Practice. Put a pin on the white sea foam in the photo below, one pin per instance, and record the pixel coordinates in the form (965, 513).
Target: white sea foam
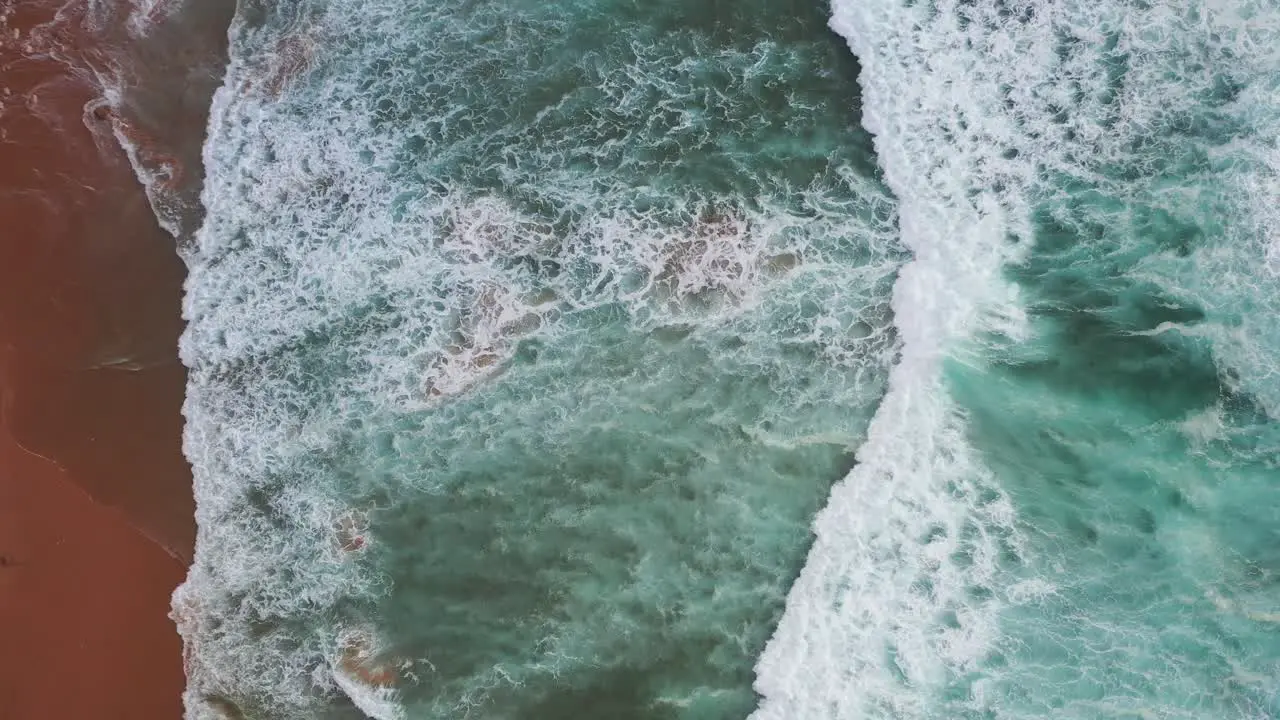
(156, 173)
(333, 285)
(376, 703)
(357, 649)
(897, 596)
(147, 12)
(978, 109)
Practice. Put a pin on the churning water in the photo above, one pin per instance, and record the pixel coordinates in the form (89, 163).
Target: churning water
(528, 340)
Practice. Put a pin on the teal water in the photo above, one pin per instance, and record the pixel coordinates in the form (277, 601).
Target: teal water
(700, 360)
(575, 312)
(1149, 484)
(1103, 188)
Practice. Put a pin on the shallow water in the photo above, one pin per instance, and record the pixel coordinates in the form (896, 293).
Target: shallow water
(528, 341)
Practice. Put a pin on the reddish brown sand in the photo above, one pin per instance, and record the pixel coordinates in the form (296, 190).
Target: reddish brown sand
(83, 599)
(96, 513)
(90, 293)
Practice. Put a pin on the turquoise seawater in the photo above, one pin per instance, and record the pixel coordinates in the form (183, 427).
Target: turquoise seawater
(594, 358)
(1090, 188)
(575, 312)
(1130, 431)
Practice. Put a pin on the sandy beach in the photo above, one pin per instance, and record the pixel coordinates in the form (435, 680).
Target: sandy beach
(83, 604)
(96, 511)
(90, 299)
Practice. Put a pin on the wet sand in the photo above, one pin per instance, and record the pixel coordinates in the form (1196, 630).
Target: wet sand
(90, 296)
(83, 605)
(96, 510)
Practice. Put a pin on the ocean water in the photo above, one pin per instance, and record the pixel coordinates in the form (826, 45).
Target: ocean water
(573, 313)
(590, 358)
(1074, 469)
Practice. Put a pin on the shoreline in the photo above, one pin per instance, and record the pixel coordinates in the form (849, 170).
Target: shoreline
(90, 292)
(97, 516)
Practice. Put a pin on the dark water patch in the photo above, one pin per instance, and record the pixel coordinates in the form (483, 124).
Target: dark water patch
(1132, 460)
(608, 543)
(1103, 331)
